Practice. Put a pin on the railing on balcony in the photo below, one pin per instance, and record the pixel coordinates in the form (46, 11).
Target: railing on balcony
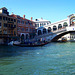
(10, 22)
(6, 35)
(11, 26)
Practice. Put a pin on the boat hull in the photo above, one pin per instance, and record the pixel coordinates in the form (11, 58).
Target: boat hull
(23, 45)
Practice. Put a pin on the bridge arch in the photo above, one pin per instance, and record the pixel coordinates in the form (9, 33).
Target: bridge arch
(65, 24)
(60, 35)
(44, 30)
(22, 37)
(72, 20)
(54, 28)
(49, 29)
(39, 32)
(59, 26)
(26, 36)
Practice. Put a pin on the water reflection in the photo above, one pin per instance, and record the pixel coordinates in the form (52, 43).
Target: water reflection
(7, 51)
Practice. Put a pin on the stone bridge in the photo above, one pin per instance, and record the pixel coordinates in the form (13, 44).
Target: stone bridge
(56, 30)
(55, 35)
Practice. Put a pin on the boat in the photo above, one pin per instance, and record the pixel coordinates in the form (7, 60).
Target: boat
(64, 39)
(14, 42)
(31, 45)
(11, 43)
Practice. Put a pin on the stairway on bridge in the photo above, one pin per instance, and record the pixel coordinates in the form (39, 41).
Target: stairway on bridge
(55, 35)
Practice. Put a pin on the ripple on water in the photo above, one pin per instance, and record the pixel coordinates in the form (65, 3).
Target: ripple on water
(51, 59)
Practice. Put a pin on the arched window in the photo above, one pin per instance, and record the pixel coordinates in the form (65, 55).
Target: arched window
(22, 38)
(73, 22)
(65, 24)
(22, 35)
(39, 32)
(59, 26)
(26, 36)
(41, 24)
(54, 28)
(49, 29)
(44, 31)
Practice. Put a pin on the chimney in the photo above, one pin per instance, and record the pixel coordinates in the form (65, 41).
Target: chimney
(23, 16)
(31, 18)
(12, 13)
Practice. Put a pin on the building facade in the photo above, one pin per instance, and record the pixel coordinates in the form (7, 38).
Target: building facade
(39, 24)
(8, 26)
(25, 28)
(14, 26)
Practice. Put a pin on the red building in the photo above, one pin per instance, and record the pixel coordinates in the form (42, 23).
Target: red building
(25, 27)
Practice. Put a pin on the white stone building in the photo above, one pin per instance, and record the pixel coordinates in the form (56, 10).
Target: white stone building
(41, 22)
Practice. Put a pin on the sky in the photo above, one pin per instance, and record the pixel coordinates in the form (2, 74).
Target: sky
(52, 10)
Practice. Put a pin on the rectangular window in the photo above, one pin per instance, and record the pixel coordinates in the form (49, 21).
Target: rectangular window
(5, 25)
(0, 24)
(14, 26)
(4, 18)
(30, 23)
(5, 32)
(11, 31)
(11, 25)
(8, 19)
(8, 25)
(33, 30)
(0, 17)
(18, 21)
(26, 23)
(19, 29)
(14, 33)
(22, 22)
(30, 30)
(11, 19)
(27, 30)
(0, 32)
(23, 29)
(5, 11)
(8, 31)
(14, 20)
(36, 25)
(40, 24)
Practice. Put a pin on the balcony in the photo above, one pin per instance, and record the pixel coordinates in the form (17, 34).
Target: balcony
(10, 22)
(11, 26)
(6, 35)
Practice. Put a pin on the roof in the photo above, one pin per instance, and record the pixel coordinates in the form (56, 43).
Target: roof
(4, 8)
(19, 17)
(39, 20)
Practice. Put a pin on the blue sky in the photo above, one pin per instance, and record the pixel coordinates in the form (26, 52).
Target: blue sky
(52, 10)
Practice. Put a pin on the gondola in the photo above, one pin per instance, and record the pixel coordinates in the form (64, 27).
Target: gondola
(33, 45)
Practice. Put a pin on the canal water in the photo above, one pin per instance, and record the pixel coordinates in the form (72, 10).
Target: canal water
(51, 59)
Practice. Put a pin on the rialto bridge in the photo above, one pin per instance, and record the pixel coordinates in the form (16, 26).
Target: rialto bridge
(54, 31)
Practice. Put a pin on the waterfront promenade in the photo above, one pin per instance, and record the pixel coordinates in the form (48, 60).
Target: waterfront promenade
(51, 59)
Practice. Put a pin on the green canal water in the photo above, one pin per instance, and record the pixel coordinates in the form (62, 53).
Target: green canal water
(51, 59)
